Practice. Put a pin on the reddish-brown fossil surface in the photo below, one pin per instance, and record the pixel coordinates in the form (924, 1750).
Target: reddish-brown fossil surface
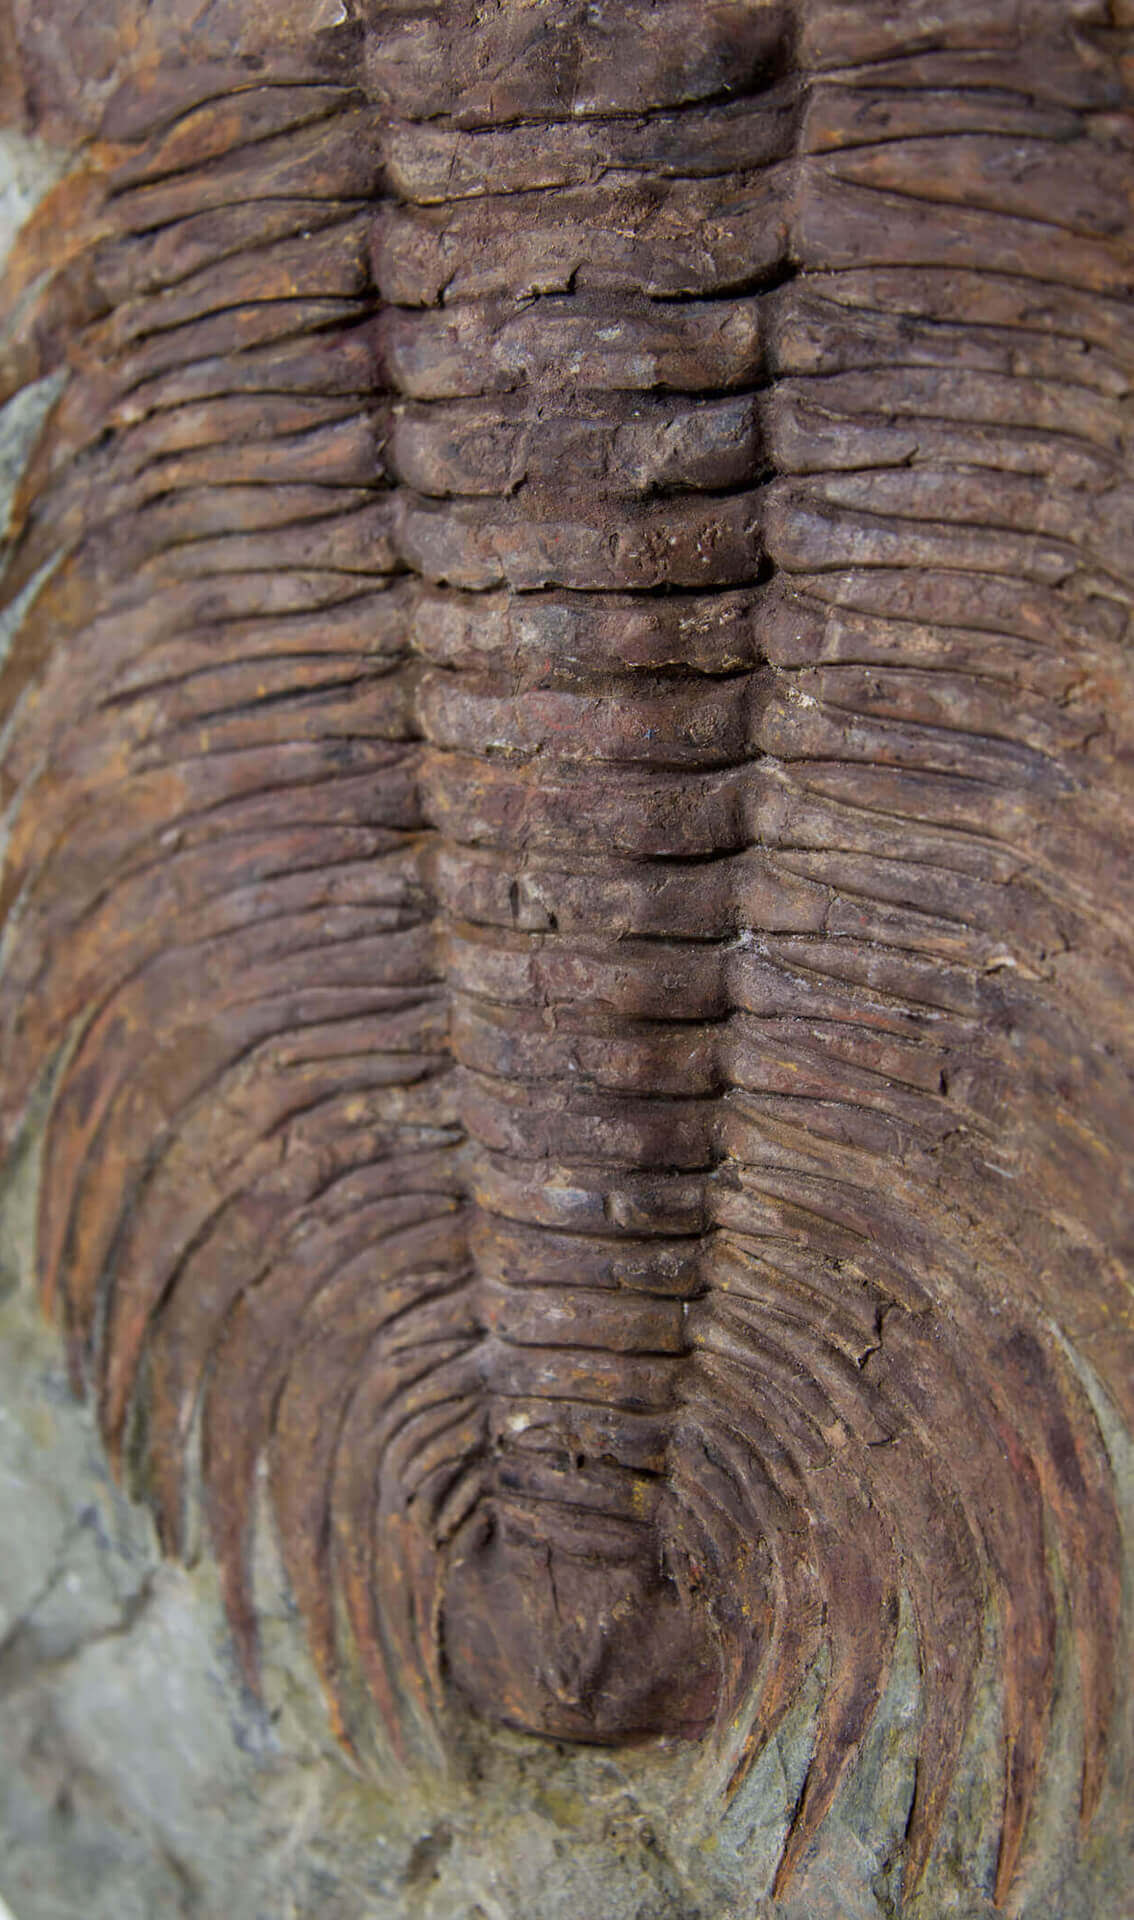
(566, 900)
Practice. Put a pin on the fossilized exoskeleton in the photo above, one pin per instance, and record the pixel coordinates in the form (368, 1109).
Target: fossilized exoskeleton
(566, 850)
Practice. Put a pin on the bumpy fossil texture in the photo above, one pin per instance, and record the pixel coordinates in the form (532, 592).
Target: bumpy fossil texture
(568, 852)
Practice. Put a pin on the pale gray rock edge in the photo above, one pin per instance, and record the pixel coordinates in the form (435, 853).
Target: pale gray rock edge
(138, 1781)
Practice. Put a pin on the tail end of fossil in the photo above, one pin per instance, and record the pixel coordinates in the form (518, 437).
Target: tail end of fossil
(551, 1640)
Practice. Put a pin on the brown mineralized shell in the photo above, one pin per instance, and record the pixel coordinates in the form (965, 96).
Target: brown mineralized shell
(568, 842)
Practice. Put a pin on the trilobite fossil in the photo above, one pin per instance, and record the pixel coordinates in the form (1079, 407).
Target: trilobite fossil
(566, 849)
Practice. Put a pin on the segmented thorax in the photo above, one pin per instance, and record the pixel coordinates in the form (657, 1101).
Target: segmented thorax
(579, 442)
(564, 842)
